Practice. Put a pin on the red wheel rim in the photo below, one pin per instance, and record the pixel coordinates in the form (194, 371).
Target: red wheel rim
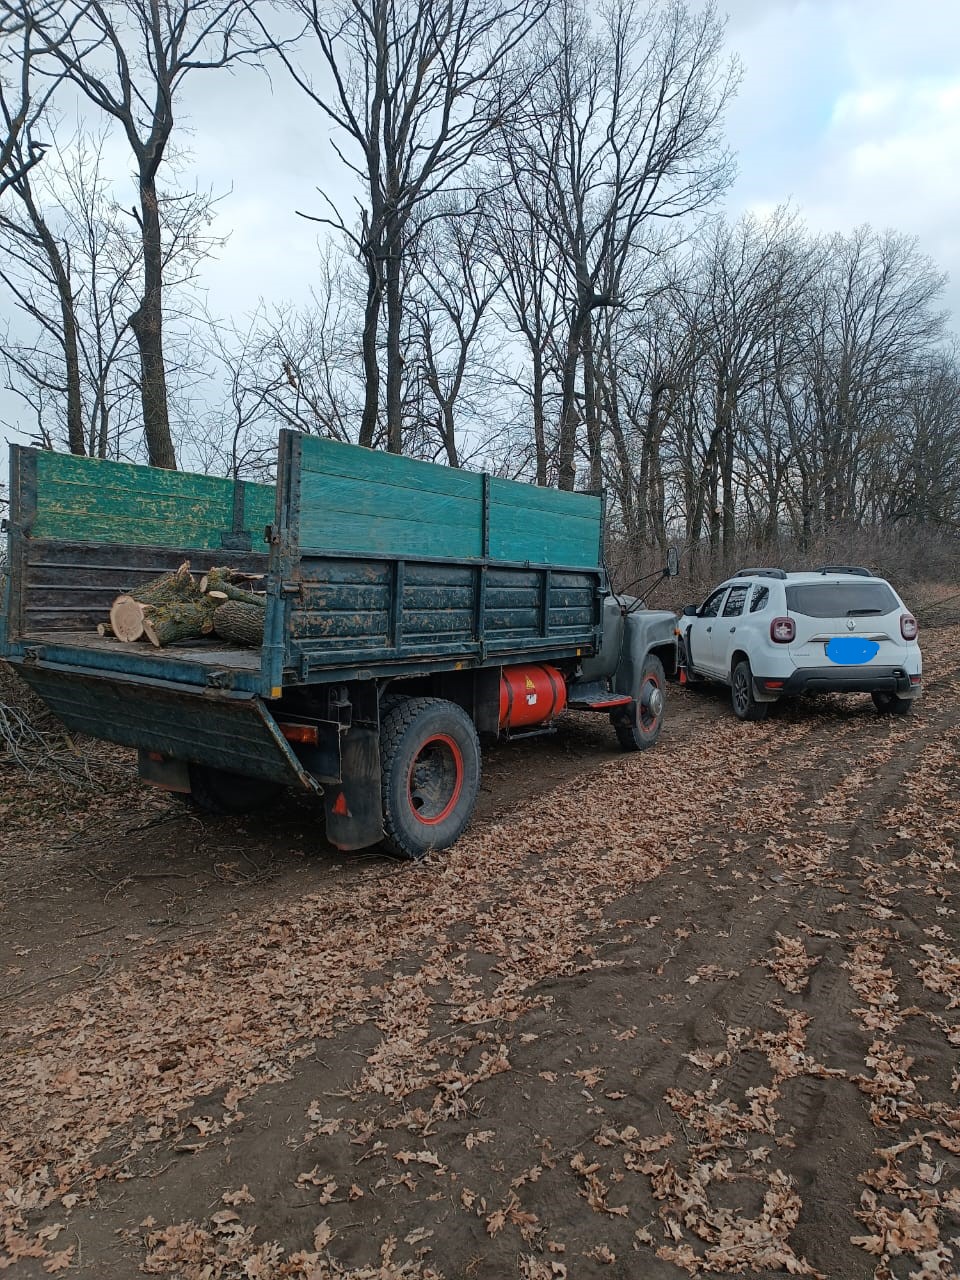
(435, 780)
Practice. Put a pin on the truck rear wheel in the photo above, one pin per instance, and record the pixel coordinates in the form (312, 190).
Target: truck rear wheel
(638, 725)
(216, 791)
(430, 774)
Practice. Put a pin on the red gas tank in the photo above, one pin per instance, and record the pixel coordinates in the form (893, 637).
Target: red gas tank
(530, 695)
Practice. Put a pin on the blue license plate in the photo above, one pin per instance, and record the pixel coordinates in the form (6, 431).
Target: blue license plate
(851, 651)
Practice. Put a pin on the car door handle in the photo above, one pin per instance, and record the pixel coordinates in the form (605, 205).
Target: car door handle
(709, 628)
(732, 630)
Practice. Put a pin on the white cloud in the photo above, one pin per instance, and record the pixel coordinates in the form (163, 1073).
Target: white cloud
(852, 110)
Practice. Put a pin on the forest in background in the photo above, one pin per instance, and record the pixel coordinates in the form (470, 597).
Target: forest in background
(535, 276)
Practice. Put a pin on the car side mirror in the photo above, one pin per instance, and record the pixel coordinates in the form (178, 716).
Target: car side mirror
(673, 562)
(689, 610)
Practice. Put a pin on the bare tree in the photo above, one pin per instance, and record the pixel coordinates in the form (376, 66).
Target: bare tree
(71, 261)
(451, 291)
(30, 31)
(130, 58)
(417, 88)
(623, 132)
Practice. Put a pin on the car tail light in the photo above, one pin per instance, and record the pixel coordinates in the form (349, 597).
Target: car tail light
(783, 630)
(916, 679)
(908, 626)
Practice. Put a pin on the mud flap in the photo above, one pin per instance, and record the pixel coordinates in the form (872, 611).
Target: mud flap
(353, 806)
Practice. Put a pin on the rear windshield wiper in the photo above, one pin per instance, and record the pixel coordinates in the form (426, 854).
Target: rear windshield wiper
(863, 613)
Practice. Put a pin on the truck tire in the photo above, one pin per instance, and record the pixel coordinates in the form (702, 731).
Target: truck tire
(430, 774)
(745, 705)
(638, 726)
(216, 791)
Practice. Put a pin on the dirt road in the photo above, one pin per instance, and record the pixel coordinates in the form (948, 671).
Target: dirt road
(691, 1011)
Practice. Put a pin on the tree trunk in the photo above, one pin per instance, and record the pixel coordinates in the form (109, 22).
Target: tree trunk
(394, 358)
(539, 418)
(591, 413)
(68, 316)
(567, 470)
(371, 367)
(147, 325)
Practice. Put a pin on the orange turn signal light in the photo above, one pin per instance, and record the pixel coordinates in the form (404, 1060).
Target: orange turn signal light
(304, 733)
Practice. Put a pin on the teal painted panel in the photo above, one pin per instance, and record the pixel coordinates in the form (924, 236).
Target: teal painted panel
(377, 518)
(374, 467)
(544, 526)
(91, 500)
(373, 503)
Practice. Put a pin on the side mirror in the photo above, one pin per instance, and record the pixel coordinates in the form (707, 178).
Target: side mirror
(673, 562)
(689, 610)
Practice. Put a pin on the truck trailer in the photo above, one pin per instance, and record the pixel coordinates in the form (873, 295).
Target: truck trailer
(411, 611)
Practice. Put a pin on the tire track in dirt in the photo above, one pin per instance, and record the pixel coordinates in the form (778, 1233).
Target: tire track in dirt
(558, 862)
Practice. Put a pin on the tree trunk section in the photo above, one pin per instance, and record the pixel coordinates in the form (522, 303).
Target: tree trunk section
(371, 367)
(394, 357)
(182, 620)
(147, 325)
(241, 623)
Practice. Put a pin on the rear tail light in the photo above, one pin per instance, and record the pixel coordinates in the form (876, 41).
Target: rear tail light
(783, 630)
(305, 733)
(916, 679)
(908, 626)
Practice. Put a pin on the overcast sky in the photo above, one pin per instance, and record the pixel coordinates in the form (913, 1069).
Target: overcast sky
(848, 108)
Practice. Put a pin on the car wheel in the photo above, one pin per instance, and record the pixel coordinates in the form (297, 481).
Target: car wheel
(638, 725)
(430, 774)
(745, 705)
(888, 704)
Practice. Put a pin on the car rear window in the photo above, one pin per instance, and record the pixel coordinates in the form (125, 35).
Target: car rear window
(841, 599)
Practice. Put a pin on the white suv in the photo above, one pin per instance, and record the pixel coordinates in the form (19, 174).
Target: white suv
(770, 634)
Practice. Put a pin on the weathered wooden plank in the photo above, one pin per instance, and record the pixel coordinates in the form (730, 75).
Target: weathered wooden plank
(544, 526)
(438, 597)
(343, 597)
(514, 493)
(386, 470)
(437, 621)
(512, 620)
(91, 500)
(307, 623)
(438, 575)
(333, 571)
(438, 530)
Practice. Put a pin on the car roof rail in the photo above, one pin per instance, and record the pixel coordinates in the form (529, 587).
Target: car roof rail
(760, 573)
(857, 570)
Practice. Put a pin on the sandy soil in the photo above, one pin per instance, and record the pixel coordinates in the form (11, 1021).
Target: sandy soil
(690, 1011)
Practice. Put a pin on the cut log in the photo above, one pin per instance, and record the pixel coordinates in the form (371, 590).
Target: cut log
(128, 613)
(179, 585)
(240, 622)
(127, 617)
(180, 620)
(214, 579)
(232, 592)
(223, 583)
(104, 630)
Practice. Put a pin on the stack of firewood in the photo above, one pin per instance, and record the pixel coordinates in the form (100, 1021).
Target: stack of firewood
(176, 606)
